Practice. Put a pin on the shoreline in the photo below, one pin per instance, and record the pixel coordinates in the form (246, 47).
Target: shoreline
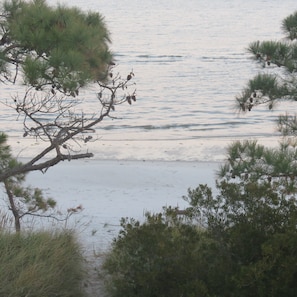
(187, 150)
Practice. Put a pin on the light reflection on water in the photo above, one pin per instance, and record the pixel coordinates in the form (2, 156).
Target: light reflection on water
(190, 62)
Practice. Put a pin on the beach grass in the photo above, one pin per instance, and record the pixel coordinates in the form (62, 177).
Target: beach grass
(44, 263)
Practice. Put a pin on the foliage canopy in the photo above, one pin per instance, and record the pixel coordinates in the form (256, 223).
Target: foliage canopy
(279, 59)
(59, 47)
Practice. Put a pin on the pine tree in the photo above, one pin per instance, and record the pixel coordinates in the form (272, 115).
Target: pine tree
(54, 52)
(51, 53)
(278, 83)
(60, 47)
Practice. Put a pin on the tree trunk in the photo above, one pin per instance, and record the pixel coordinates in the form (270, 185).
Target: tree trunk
(13, 208)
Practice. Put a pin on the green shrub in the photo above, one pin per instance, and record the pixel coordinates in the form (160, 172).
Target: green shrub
(247, 247)
(255, 223)
(164, 256)
(43, 264)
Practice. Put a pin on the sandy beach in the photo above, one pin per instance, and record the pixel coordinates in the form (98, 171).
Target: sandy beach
(109, 190)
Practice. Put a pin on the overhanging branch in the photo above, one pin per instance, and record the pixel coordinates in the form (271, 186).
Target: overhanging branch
(43, 166)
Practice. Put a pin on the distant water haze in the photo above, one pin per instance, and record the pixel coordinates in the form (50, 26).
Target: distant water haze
(190, 61)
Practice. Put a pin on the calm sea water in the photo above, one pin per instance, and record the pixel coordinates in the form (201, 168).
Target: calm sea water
(190, 61)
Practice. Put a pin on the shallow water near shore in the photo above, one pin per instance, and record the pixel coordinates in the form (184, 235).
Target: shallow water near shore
(190, 62)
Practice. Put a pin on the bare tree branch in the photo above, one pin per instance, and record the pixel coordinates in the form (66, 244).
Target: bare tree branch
(53, 118)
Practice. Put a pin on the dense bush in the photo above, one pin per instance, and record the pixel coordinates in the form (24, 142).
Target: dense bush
(40, 265)
(165, 256)
(256, 223)
(241, 242)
